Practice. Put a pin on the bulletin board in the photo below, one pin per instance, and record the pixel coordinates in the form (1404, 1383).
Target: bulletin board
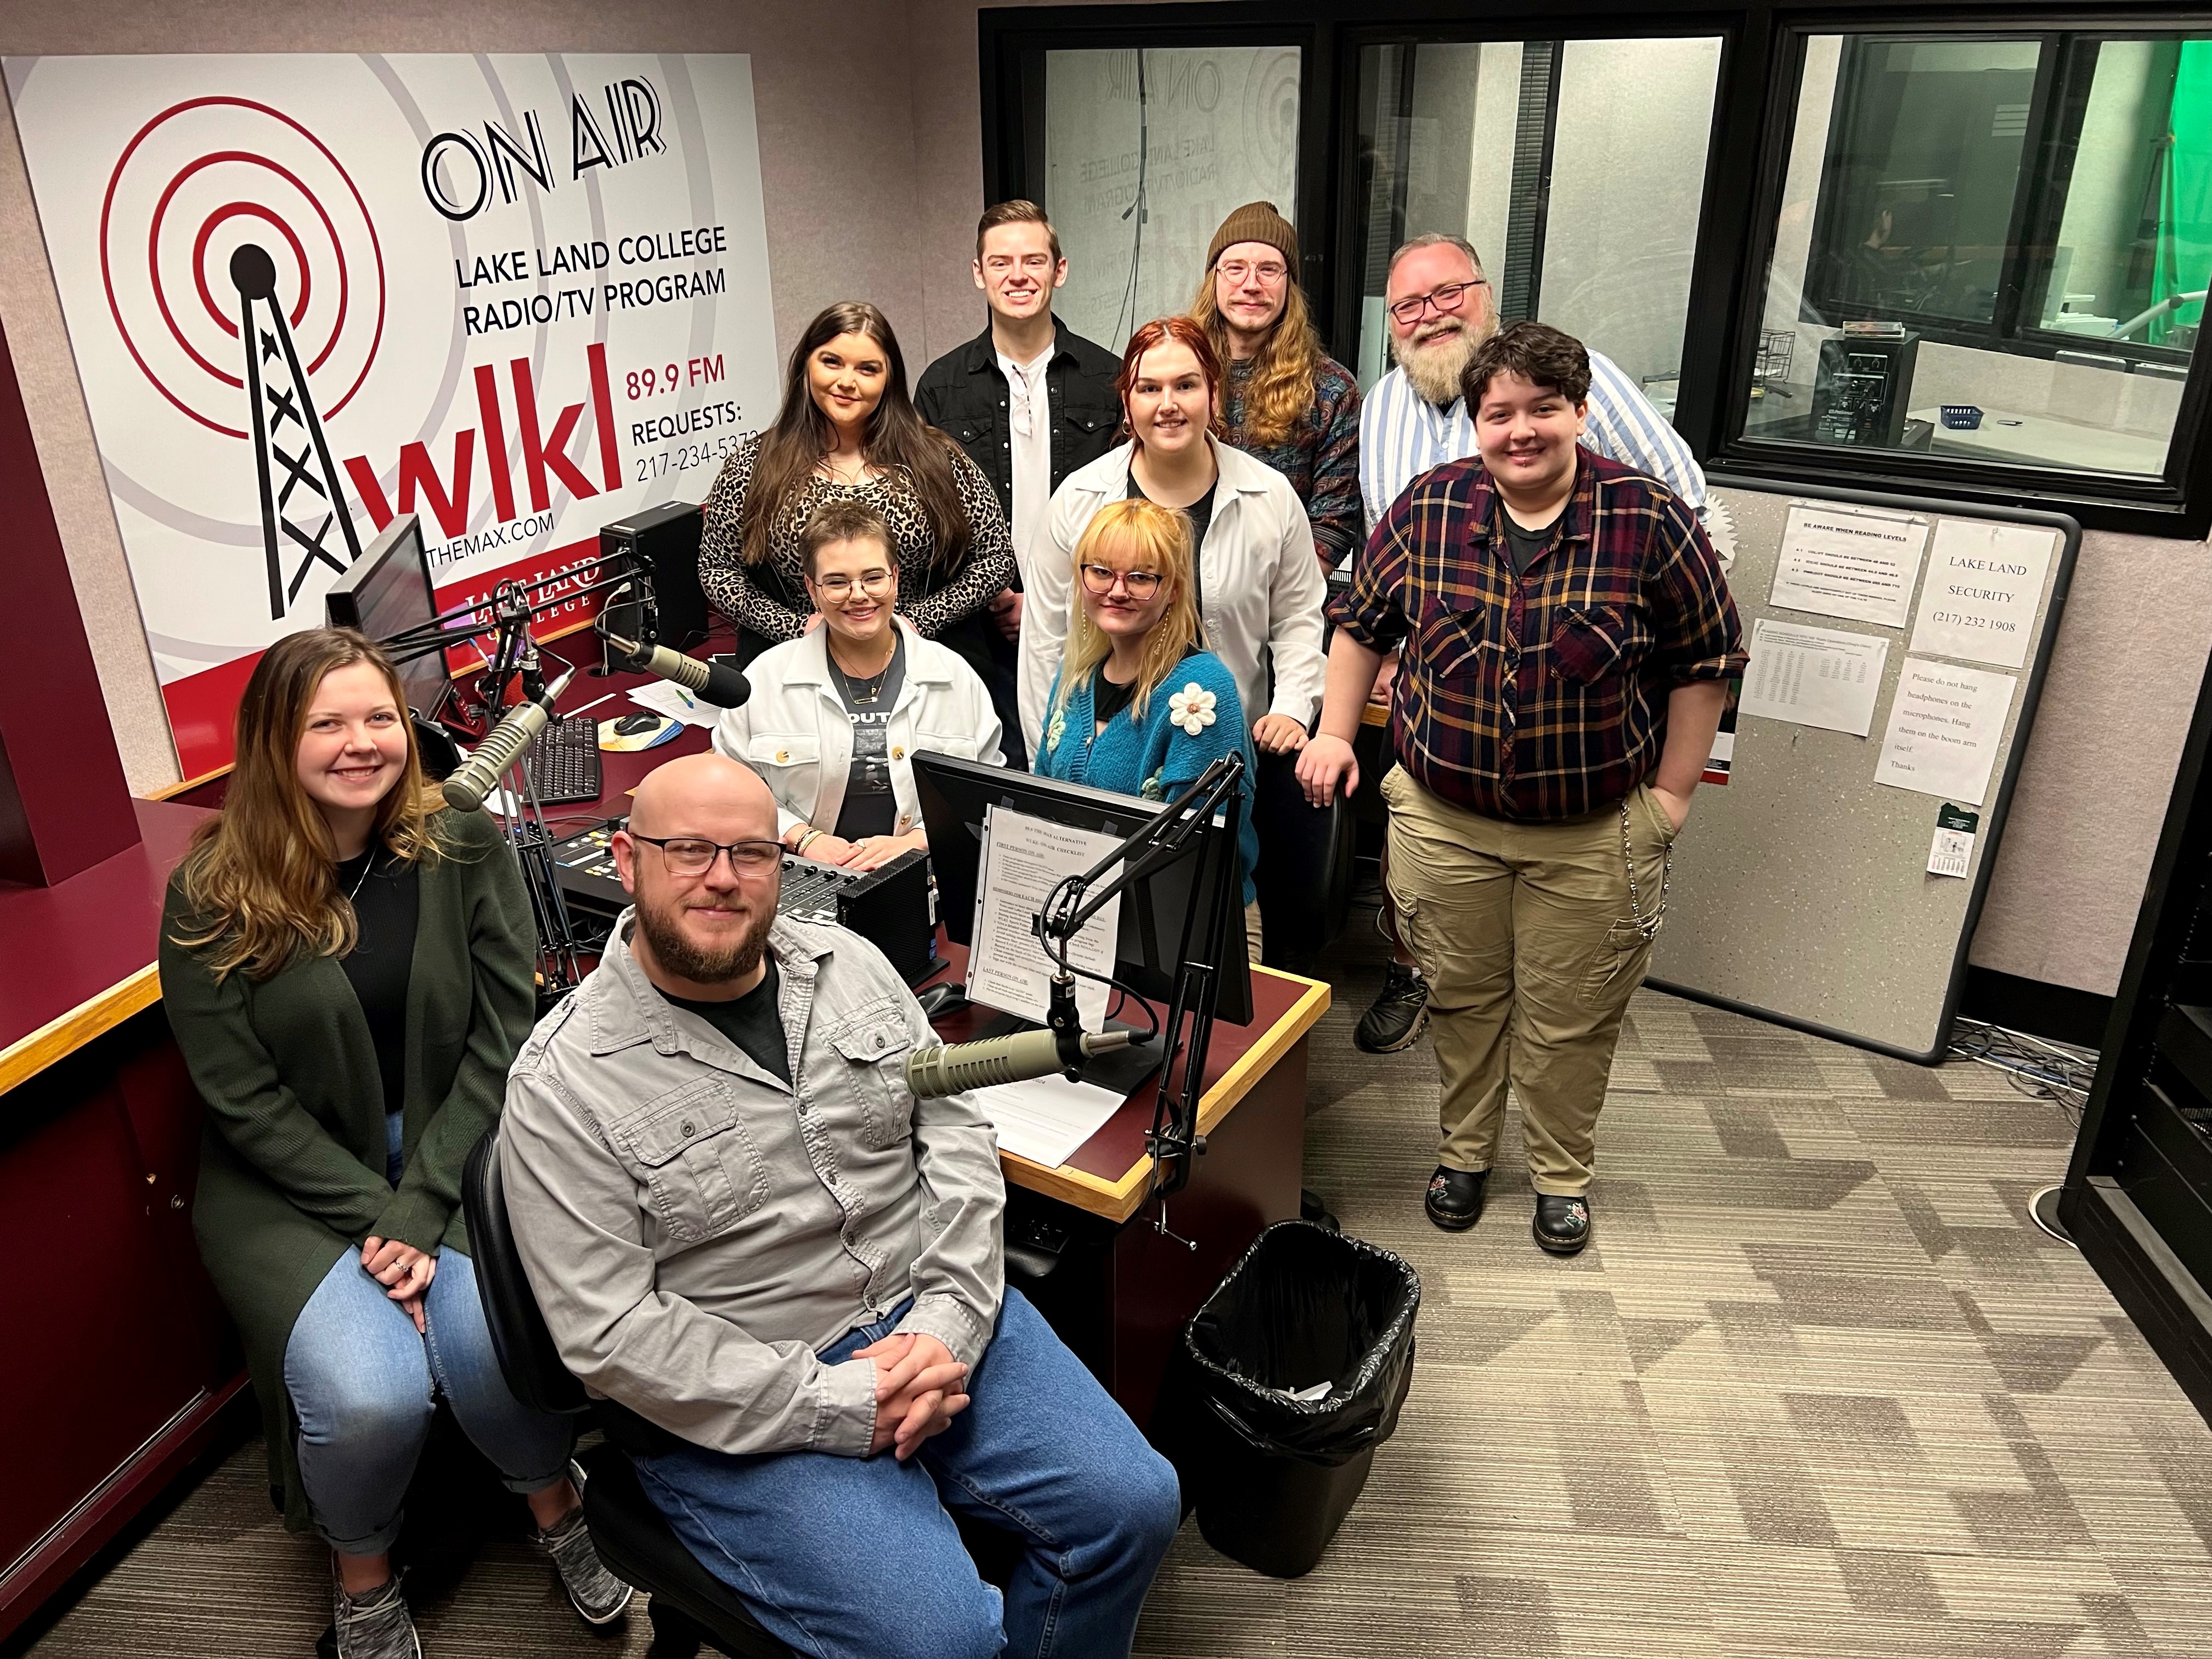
(1802, 891)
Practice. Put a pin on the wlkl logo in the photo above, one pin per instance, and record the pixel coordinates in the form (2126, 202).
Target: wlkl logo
(545, 456)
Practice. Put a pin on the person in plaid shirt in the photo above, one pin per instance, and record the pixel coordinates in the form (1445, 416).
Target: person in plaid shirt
(1567, 634)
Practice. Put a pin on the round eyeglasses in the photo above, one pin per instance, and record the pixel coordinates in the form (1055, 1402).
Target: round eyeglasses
(1100, 580)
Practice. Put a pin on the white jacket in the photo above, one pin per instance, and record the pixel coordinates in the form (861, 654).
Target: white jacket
(1261, 587)
(793, 730)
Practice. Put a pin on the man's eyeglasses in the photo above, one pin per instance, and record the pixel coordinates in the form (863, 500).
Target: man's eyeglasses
(1446, 299)
(1267, 270)
(1100, 580)
(873, 583)
(692, 855)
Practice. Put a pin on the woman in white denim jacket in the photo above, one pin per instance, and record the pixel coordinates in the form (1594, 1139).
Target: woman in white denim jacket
(857, 682)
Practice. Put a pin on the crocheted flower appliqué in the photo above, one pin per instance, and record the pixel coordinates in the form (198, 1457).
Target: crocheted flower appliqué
(1053, 733)
(1192, 708)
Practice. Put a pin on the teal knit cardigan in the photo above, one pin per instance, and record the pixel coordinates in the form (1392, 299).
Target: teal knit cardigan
(1158, 756)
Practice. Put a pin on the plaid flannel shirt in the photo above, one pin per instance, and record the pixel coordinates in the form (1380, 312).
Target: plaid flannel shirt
(1541, 698)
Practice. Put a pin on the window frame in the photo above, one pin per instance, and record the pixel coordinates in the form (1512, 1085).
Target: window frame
(1762, 56)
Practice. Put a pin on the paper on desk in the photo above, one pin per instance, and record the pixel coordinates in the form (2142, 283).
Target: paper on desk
(1985, 582)
(671, 701)
(1023, 860)
(1943, 729)
(1853, 562)
(1047, 1118)
(1813, 676)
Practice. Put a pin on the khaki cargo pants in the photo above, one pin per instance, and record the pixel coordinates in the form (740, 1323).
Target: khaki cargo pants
(1523, 932)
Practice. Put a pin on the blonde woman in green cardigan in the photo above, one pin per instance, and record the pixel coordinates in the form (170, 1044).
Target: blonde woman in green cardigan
(347, 968)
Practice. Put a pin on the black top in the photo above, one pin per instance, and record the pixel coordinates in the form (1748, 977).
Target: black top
(869, 808)
(752, 1022)
(384, 906)
(1201, 514)
(1521, 544)
(1108, 699)
(964, 394)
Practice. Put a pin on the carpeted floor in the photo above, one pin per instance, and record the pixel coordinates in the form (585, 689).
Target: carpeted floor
(1819, 1389)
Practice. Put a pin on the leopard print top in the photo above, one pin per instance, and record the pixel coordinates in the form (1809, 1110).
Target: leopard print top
(770, 598)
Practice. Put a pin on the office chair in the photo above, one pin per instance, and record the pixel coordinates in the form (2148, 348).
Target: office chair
(690, 1605)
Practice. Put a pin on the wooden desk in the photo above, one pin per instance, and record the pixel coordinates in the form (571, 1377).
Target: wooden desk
(1084, 1244)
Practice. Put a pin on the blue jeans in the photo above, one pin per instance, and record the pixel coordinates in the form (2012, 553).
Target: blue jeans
(361, 1378)
(856, 1557)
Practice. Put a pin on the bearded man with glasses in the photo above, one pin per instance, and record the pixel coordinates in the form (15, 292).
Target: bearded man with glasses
(786, 1273)
(1442, 310)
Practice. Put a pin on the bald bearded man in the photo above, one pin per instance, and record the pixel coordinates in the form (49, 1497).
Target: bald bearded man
(744, 1229)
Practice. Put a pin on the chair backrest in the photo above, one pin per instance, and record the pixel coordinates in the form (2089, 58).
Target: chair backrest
(527, 1357)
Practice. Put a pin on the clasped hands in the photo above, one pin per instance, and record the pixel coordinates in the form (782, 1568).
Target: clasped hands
(404, 1271)
(918, 1391)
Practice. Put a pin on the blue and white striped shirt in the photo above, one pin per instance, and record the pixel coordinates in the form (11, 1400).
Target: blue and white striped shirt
(1402, 435)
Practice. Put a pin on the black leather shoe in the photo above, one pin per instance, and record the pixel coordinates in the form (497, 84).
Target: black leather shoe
(1455, 1198)
(1562, 1225)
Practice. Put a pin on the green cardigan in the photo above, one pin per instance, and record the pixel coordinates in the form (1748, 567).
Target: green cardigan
(292, 1162)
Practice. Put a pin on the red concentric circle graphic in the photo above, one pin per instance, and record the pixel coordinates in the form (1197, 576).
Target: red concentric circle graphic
(197, 182)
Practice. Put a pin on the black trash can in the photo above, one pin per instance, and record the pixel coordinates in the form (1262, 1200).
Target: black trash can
(1284, 1382)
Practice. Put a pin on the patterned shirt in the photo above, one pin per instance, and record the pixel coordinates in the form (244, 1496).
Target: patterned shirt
(1321, 458)
(770, 598)
(1541, 698)
(1402, 435)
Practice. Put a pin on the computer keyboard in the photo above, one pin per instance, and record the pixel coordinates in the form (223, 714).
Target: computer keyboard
(563, 764)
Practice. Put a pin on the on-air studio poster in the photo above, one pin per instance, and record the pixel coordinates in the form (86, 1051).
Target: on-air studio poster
(521, 295)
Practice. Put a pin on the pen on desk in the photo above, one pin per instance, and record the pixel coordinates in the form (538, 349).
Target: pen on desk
(588, 707)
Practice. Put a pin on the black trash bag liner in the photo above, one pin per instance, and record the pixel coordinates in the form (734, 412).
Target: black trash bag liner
(1271, 1474)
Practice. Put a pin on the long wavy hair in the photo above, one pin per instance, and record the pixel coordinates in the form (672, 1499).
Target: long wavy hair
(1181, 330)
(897, 439)
(1159, 536)
(261, 876)
(1281, 389)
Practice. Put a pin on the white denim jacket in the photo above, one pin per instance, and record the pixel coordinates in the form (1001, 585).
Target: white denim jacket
(794, 733)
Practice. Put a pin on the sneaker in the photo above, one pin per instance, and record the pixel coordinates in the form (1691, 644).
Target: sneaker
(1399, 1015)
(374, 1625)
(597, 1595)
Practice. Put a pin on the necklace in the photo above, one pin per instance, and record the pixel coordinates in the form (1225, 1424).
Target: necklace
(875, 687)
(361, 880)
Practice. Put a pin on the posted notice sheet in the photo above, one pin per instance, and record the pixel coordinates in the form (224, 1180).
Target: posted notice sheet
(1813, 676)
(1943, 729)
(1984, 582)
(1045, 1118)
(1842, 563)
(1023, 860)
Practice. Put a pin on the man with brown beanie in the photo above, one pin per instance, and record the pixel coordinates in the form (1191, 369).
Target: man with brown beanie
(1287, 403)
(1567, 634)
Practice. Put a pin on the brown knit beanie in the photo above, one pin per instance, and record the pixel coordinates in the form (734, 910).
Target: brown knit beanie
(1256, 222)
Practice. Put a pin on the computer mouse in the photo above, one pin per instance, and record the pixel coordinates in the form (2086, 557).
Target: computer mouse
(630, 724)
(945, 998)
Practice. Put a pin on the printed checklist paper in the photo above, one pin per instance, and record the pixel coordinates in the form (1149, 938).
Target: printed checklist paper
(1819, 676)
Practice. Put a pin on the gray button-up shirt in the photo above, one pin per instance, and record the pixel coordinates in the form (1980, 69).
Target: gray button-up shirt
(696, 1232)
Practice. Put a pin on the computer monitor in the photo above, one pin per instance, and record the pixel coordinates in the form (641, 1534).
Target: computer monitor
(1154, 912)
(387, 593)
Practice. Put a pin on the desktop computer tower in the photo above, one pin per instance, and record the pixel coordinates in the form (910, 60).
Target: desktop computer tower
(664, 540)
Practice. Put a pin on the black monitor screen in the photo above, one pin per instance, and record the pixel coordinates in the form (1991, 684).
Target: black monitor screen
(954, 794)
(388, 592)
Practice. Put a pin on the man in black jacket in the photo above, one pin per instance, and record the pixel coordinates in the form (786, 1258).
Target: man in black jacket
(1030, 399)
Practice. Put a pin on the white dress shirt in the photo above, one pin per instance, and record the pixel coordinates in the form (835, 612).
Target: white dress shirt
(1029, 428)
(1259, 586)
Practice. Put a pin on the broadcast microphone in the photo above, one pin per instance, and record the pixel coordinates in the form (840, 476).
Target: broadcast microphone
(709, 681)
(946, 1069)
(478, 775)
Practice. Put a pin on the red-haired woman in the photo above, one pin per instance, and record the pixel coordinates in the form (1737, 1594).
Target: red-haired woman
(1259, 586)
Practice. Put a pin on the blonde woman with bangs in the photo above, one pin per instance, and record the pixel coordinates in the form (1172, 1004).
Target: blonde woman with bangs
(349, 969)
(1139, 705)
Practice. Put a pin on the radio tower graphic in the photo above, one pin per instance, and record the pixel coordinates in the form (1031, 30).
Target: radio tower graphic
(278, 387)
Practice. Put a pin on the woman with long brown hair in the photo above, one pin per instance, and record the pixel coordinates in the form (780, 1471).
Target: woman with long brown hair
(1284, 400)
(347, 968)
(848, 431)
